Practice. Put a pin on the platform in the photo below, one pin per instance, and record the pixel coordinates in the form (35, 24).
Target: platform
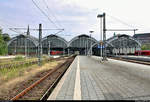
(88, 78)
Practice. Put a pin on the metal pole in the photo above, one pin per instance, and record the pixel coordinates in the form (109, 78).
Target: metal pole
(84, 47)
(49, 44)
(27, 50)
(40, 45)
(101, 44)
(87, 46)
(25, 46)
(104, 37)
(49, 48)
(90, 45)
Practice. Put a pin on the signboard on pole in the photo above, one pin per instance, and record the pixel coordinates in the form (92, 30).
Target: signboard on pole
(99, 46)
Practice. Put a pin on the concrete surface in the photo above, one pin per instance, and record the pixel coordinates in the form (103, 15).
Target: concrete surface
(88, 78)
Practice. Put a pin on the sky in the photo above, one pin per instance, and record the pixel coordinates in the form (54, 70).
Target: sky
(76, 17)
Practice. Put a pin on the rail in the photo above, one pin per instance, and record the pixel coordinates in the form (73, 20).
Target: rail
(25, 91)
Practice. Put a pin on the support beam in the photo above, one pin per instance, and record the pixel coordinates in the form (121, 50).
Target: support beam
(121, 30)
(40, 45)
(104, 37)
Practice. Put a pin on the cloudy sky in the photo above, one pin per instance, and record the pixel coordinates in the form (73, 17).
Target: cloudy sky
(75, 16)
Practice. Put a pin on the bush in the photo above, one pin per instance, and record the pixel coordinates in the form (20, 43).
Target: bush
(18, 58)
(3, 45)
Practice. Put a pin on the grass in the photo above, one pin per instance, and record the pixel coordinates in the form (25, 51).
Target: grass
(19, 58)
(13, 77)
(15, 71)
(10, 73)
(16, 60)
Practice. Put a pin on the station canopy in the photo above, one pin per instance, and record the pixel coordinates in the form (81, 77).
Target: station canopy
(122, 41)
(54, 41)
(81, 41)
(20, 41)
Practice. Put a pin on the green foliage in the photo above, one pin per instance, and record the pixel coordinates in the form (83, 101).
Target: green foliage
(6, 37)
(3, 45)
(19, 58)
(145, 47)
(10, 73)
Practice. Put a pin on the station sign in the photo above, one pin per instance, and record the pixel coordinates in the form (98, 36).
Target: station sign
(99, 46)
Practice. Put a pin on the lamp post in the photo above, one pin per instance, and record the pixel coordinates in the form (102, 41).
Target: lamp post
(91, 42)
(100, 16)
(104, 34)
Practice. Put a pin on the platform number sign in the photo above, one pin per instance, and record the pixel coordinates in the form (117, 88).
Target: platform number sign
(99, 46)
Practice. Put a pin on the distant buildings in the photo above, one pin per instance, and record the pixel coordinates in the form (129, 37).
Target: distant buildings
(144, 38)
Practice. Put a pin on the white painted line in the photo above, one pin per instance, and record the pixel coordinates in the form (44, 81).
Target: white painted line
(59, 85)
(77, 89)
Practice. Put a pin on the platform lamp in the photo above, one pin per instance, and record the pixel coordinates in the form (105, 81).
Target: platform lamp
(104, 34)
(100, 16)
(91, 42)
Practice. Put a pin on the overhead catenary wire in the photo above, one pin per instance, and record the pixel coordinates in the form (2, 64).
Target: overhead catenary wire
(124, 23)
(35, 29)
(44, 14)
(51, 19)
(51, 13)
(8, 24)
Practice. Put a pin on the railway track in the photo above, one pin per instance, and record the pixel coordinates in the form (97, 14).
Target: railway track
(41, 89)
(131, 60)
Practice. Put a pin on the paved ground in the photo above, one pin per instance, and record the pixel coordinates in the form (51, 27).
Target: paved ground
(90, 79)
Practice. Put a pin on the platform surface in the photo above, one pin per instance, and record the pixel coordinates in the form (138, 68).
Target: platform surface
(88, 78)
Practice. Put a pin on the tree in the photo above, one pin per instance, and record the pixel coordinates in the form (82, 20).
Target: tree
(6, 37)
(3, 45)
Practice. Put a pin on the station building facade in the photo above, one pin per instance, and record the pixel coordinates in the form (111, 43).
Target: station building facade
(123, 44)
(23, 44)
(53, 43)
(82, 44)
